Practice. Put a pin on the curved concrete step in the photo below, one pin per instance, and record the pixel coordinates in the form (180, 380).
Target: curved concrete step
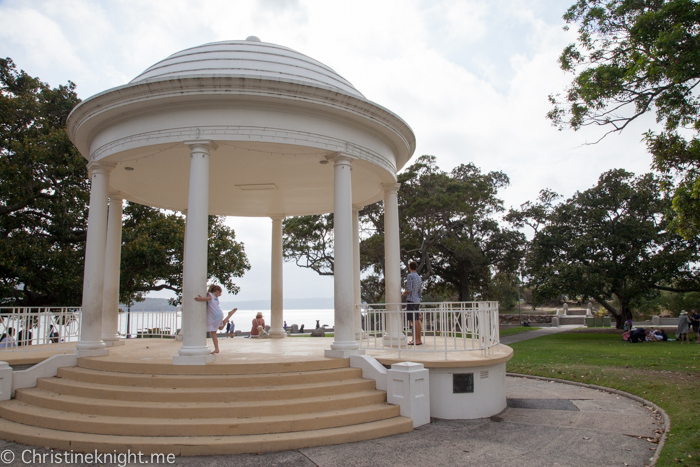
(194, 446)
(26, 414)
(214, 381)
(135, 393)
(126, 366)
(51, 400)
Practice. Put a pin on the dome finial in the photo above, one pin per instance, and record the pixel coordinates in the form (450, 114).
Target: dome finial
(253, 39)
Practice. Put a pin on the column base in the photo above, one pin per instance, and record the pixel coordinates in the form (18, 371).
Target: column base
(92, 352)
(115, 343)
(193, 359)
(330, 353)
(277, 333)
(394, 341)
(91, 349)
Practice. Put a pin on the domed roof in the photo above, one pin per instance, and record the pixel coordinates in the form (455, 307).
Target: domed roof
(248, 58)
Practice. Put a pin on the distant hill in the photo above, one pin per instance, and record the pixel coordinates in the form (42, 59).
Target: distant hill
(158, 304)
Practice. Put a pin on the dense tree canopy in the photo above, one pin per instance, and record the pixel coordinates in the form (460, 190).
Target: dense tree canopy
(44, 196)
(632, 58)
(152, 248)
(448, 226)
(609, 243)
(43, 193)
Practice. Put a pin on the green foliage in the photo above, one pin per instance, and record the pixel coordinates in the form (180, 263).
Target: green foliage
(611, 242)
(448, 225)
(670, 302)
(308, 240)
(635, 57)
(663, 372)
(152, 248)
(43, 193)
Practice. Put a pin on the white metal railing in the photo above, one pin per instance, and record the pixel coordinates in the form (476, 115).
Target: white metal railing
(150, 323)
(446, 327)
(33, 328)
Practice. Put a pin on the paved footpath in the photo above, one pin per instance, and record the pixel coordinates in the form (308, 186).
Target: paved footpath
(507, 340)
(545, 423)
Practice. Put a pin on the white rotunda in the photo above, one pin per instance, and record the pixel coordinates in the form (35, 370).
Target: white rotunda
(236, 128)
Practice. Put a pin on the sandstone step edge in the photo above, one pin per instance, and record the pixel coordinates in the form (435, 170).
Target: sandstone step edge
(195, 446)
(113, 392)
(138, 426)
(88, 375)
(50, 400)
(119, 366)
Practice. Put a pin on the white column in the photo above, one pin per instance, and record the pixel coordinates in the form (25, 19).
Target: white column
(276, 282)
(110, 300)
(91, 343)
(194, 315)
(392, 264)
(356, 269)
(344, 343)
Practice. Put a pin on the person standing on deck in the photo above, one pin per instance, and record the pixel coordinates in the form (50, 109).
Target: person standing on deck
(413, 295)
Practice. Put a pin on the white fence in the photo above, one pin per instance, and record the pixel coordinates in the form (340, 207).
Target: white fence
(446, 327)
(24, 327)
(50, 328)
(150, 323)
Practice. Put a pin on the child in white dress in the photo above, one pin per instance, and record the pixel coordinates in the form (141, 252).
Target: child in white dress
(215, 317)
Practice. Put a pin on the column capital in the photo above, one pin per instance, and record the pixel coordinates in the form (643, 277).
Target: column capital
(391, 187)
(116, 195)
(357, 207)
(277, 217)
(100, 167)
(204, 143)
(341, 158)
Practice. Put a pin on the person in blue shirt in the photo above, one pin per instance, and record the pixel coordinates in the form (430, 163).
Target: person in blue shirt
(413, 295)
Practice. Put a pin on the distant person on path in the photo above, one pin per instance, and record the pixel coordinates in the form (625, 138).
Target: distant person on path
(230, 329)
(413, 295)
(683, 326)
(8, 339)
(695, 322)
(258, 329)
(215, 317)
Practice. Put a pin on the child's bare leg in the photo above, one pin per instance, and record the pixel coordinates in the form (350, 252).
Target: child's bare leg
(230, 313)
(215, 340)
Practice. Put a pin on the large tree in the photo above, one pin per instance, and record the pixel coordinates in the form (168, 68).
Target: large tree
(448, 224)
(633, 58)
(611, 244)
(152, 248)
(44, 195)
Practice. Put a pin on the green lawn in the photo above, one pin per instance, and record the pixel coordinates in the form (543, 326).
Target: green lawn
(666, 373)
(518, 330)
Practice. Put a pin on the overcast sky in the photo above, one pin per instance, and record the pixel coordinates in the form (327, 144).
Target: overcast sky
(470, 77)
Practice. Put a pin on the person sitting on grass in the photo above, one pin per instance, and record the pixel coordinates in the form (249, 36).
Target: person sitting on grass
(215, 317)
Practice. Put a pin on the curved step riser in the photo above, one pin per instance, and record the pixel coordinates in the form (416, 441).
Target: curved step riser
(50, 400)
(77, 442)
(190, 381)
(125, 393)
(28, 415)
(96, 363)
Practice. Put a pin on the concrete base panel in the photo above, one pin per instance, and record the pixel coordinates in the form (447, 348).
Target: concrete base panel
(488, 396)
